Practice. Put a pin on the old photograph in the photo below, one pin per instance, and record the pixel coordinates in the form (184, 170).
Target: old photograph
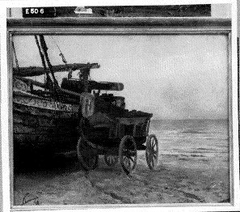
(170, 89)
(120, 106)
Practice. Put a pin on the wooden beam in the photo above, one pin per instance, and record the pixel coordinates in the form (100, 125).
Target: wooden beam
(37, 71)
(43, 85)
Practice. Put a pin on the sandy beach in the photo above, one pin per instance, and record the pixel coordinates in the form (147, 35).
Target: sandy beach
(177, 179)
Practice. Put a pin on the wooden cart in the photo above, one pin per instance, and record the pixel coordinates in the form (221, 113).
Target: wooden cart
(106, 128)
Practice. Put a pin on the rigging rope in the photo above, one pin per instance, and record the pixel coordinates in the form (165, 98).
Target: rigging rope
(60, 54)
(63, 58)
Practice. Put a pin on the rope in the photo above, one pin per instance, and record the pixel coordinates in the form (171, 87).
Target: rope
(63, 58)
(60, 54)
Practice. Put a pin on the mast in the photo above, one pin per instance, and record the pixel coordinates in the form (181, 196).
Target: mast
(45, 48)
(49, 81)
(84, 74)
(84, 77)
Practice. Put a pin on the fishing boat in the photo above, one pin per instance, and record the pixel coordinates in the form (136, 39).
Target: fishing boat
(46, 115)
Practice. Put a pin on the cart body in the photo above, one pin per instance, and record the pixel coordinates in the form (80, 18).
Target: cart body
(107, 128)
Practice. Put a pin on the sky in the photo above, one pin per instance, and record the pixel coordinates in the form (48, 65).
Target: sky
(171, 76)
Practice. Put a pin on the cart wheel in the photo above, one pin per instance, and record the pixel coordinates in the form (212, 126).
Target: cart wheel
(128, 154)
(87, 155)
(152, 151)
(110, 160)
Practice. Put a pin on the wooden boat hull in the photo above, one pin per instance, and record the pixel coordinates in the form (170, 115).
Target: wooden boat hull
(43, 126)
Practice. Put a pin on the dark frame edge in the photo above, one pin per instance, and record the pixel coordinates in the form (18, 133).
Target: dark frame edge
(119, 22)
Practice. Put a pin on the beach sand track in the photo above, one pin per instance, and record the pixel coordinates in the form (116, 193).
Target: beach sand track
(174, 181)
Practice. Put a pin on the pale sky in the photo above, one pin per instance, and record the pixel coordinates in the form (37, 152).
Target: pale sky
(171, 76)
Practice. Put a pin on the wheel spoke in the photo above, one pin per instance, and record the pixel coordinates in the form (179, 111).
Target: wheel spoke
(127, 163)
(152, 151)
(131, 159)
(152, 141)
(131, 162)
(128, 154)
(131, 146)
(155, 156)
(150, 154)
(125, 151)
(110, 160)
(152, 162)
(132, 153)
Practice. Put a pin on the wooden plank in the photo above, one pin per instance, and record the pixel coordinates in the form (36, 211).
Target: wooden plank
(37, 128)
(43, 85)
(37, 71)
(33, 82)
(78, 86)
(48, 104)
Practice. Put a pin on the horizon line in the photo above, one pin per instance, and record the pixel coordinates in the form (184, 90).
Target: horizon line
(171, 119)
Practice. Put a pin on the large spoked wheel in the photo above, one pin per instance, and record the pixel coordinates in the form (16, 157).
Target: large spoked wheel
(110, 160)
(87, 155)
(128, 154)
(152, 152)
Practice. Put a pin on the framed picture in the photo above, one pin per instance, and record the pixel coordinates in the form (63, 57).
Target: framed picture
(121, 112)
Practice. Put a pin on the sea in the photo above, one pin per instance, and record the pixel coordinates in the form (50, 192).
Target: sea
(193, 139)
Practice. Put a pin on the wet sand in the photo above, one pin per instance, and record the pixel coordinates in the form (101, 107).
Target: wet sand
(176, 180)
